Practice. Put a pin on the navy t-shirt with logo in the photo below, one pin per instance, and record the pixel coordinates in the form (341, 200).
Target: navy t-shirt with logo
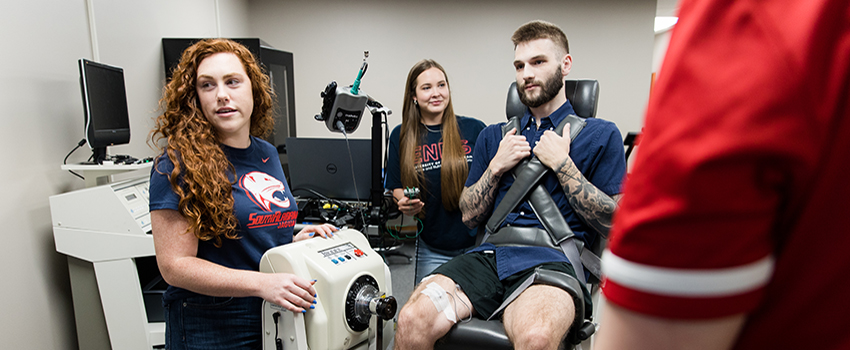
(263, 203)
(442, 229)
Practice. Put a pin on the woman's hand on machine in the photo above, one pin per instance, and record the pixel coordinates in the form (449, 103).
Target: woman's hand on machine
(410, 207)
(324, 230)
(290, 291)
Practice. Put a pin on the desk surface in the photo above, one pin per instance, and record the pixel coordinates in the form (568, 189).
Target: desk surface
(98, 174)
(106, 167)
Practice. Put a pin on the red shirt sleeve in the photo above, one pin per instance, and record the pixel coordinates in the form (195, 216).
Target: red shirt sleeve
(721, 147)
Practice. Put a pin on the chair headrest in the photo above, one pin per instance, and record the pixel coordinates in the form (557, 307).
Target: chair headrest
(582, 94)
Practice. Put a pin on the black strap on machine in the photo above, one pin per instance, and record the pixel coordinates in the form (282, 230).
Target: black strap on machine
(527, 176)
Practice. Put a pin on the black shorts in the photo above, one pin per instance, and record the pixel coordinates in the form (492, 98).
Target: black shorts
(476, 274)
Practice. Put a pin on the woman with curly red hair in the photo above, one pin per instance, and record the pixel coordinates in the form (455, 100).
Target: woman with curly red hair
(219, 200)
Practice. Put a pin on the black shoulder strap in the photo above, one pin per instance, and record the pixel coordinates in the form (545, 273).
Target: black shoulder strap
(527, 176)
(576, 124)
(528, 173)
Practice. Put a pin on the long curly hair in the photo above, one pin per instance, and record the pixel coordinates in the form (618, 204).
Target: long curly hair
(454, 169)
(202, 175)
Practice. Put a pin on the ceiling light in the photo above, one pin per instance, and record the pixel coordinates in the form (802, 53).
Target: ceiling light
(664, 23)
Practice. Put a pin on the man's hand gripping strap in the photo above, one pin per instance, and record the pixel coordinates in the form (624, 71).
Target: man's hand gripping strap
(527, 175)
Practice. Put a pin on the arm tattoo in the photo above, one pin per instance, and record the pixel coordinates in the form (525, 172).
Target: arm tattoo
(594, 206)
(477, 200)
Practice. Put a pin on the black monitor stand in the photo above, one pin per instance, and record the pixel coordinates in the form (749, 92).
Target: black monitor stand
(376, 216)
(378, 112)
(98, 155)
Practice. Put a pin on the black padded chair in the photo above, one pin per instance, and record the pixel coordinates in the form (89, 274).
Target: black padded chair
(582, 94)
(490, 335)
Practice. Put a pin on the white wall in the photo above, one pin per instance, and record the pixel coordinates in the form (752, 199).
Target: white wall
(659, 49)
(43, 121)
(41, 99)
(611, 40)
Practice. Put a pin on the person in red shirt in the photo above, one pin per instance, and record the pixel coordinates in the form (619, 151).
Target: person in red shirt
(732, 232)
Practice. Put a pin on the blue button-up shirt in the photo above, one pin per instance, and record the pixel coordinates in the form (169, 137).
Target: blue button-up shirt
(597, 152)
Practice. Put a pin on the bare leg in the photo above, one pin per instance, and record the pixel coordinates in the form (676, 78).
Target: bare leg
(419, 322)
(539, 318)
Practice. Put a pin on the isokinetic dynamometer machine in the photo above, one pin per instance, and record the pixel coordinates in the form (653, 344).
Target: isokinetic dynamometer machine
(352, 281)
(352, 285)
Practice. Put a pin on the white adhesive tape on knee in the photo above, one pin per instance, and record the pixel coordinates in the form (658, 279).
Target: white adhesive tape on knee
(440, 299)
(427, 278)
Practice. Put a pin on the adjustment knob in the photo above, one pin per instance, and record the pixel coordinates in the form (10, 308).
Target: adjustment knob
(385, 308)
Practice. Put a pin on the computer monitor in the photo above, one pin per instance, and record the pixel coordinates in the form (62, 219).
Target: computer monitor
(107, 119)
(322, 167)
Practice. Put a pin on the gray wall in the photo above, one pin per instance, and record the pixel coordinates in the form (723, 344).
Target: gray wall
(610, 40)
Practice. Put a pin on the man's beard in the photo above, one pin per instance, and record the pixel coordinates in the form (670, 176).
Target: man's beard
(549, 89)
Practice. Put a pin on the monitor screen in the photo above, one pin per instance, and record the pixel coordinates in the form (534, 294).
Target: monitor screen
(107, 119)
(324, 166)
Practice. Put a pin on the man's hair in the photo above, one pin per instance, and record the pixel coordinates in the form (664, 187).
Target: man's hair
(541, 30)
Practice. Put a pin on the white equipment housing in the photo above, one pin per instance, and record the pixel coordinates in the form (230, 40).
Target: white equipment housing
(353, 283)
(103, 230)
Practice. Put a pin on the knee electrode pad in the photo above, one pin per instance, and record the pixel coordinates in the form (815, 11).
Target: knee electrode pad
(440, 299)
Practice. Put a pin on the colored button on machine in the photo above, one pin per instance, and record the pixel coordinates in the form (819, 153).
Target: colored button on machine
(358, 253)
(335, 261)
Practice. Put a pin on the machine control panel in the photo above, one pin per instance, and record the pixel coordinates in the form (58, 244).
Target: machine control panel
(121, 207)
(342, 253)
(135, 199)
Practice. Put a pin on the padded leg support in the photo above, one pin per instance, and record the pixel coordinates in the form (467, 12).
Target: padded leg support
(570, 285)
(475, 334)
